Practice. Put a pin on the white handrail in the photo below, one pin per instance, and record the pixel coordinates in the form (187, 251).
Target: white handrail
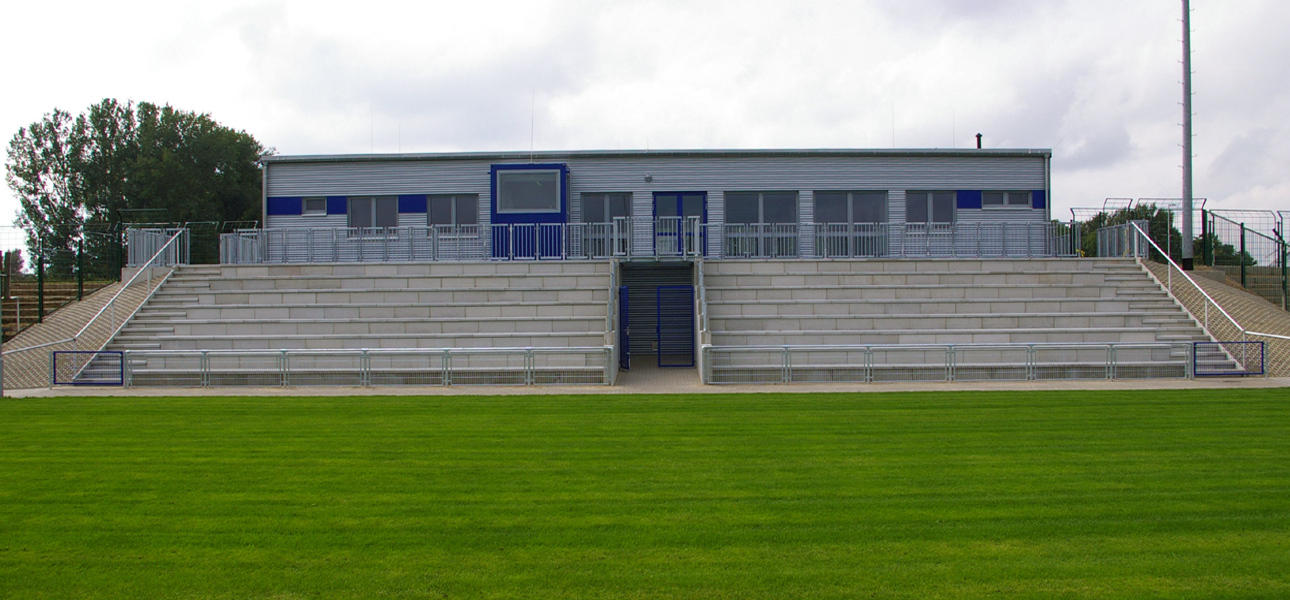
(1209, 300)
(111, 303)
(148, 266)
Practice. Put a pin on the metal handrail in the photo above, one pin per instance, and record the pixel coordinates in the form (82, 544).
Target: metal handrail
(1169, 271)
(951, 354)
(111, 303)
(365, 371)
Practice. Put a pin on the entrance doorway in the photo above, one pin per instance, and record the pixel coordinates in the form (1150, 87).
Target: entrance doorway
(655, 329)
(676, 215)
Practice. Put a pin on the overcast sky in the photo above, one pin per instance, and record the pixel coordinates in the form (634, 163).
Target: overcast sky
(1097, 81)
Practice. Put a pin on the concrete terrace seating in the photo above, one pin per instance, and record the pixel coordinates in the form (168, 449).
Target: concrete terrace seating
(374, 306)
(907, 302)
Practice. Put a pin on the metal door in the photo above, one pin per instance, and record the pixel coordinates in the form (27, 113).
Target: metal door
(675, 326)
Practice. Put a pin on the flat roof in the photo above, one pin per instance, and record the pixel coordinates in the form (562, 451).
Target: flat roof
(555, 155)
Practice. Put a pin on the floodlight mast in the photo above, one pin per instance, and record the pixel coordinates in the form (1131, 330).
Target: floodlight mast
(1187, 252)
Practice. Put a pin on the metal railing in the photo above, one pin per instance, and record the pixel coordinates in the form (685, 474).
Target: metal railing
(1216, 321)
(945, 362)
(105, 324)
(157, 247)
(1255, 259)
(664, 237)
(369, 367)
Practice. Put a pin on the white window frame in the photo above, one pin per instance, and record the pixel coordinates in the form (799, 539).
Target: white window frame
(928, 195)
(604, 199)
(1025, 196)
(456, 220)
(349, 210)
(317, 212)
(851, 199)
(761, 206)
(559, 191)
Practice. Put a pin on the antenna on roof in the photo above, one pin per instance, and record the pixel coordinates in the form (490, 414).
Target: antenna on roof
(532, 119)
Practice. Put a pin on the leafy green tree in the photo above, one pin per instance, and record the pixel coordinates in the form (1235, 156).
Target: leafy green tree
(75, 175)
(1160, 228)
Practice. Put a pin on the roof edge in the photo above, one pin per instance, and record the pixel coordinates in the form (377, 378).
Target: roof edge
(549, 155)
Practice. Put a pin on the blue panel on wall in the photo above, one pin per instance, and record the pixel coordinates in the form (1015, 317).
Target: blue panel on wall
(412, 204)
(337, 205)
(545, 217)
(284, 206)
(1037, 198)
(969, 198)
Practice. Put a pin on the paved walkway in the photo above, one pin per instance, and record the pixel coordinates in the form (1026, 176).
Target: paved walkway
(649, 379)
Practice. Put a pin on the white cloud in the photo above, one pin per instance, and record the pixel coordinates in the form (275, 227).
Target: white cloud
(1096, 80)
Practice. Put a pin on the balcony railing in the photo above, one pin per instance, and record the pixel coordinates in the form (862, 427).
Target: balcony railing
(666, 237)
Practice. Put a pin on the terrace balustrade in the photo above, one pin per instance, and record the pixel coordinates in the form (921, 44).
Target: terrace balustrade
(666, 237)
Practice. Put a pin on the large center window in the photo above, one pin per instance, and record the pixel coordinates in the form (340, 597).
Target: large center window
(443, 209)
(761, 207)
(931, 208)
(382, 211)
(528, 191)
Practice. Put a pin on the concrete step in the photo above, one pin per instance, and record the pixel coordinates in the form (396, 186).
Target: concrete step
(286, 342)
(940, 336)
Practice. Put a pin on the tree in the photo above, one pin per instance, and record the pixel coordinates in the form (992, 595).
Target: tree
(1160, 228)
(77, 173)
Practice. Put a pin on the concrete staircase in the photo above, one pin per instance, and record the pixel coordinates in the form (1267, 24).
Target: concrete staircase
(372, 306)
(904, 302)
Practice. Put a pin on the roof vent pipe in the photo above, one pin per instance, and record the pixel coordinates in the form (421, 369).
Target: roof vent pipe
(978, 141)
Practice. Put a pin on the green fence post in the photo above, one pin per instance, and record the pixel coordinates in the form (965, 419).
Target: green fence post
(40, 286)
(1241, 258)
(1285, 302)
(1205, 256)
(80, 271)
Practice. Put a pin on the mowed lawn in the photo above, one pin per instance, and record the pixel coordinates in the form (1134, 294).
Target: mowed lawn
(1175, 494)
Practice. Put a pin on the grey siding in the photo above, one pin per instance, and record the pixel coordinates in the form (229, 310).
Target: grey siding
(675, 172)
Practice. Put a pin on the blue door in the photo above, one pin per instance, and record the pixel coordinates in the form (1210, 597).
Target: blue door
(674, 215)
(675, 326)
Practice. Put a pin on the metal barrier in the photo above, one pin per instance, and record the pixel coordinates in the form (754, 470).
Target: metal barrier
(945, 362)
(1212, 317)
(33, 366)
(369, 367)
(157, 247)
(1227, 358)
(1122, 241)
(664, 237)
(1257, 260)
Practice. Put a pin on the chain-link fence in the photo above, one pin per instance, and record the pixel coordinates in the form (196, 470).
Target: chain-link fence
(1248, 256)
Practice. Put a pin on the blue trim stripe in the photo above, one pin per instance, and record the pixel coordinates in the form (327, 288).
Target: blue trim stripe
(285, 206)
(412, 204)
(337, 205)
(1037, 199)
(969, 199)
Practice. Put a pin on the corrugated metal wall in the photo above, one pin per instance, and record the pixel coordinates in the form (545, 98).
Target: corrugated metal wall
(713, 174)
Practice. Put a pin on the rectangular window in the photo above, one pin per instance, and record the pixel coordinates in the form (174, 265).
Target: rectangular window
(314, 207)
(381, 211)
(1010, 199)
(604, 208)
(450, 209)
(929, 207)
(850, 207)
(761, 224)
(761, 207)
(523, 191)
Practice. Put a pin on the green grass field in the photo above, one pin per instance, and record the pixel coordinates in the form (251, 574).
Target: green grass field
(1178, 494)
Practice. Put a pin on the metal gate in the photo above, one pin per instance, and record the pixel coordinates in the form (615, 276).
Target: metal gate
(675, 326)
